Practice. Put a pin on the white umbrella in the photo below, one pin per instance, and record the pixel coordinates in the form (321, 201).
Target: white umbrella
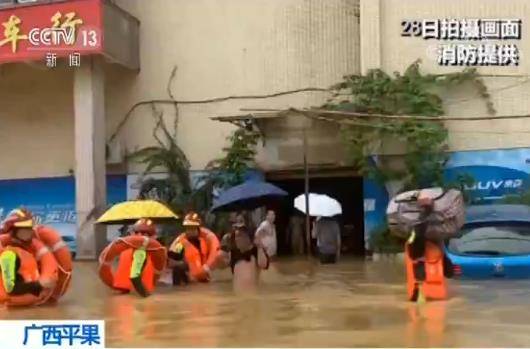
(319, 205)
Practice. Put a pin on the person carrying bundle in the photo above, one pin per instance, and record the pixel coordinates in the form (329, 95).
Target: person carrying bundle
(426, 218)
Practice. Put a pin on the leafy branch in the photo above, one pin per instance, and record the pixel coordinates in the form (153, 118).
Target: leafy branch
(238, 159)
(411, 93)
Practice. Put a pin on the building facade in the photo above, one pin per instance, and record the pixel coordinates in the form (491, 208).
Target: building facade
(76, 124)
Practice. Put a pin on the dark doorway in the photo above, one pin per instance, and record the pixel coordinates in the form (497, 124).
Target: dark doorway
(347, 190)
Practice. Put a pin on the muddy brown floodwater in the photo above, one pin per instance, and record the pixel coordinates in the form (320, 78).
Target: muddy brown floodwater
(300, 304)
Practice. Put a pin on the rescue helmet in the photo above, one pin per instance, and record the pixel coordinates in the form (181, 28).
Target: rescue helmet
(144, 226)
(19, 218)
(192, 219)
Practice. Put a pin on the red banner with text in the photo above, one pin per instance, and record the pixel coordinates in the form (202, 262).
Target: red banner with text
(61, 29)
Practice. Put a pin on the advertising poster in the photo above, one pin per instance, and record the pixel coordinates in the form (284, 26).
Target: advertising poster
(52, 200)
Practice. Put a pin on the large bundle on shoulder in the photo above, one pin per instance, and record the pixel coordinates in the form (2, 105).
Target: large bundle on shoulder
(406, 210)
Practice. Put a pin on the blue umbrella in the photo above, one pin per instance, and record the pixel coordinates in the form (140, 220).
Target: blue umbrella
(248, 195)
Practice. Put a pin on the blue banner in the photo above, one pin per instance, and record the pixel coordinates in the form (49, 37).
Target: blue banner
(495, 173)
(52, 200)
(375, 203)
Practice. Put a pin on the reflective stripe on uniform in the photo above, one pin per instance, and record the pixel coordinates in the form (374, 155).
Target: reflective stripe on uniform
(179, 248)
(412, 237)
(139, 257)
(41, 253)
(60, 244)
(8, 262)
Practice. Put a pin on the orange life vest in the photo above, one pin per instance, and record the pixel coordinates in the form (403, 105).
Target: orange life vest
(195, 258)
(122, 280)
(124, 249)
(434, 287)
(37, 263)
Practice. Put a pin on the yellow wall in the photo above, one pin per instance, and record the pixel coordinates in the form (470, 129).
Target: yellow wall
(236, 47)
(241, 47)
(221, 48)
(511, 94)
(36, 122)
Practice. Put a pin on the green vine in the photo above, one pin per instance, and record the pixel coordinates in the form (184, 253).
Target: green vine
(382, 241)
(238, 159)
(411, 93)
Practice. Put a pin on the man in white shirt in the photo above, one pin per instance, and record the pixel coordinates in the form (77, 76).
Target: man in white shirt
(266, 234)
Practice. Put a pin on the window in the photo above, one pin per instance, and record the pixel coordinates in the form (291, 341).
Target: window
(6, 2)
(12, 3)
(493, 240)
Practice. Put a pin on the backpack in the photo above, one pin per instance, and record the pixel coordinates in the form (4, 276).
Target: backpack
(444, 222)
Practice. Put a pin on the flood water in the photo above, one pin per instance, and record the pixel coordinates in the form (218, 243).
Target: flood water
(300, 304)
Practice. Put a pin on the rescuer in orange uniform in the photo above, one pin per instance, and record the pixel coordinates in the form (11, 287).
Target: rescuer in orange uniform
(27, 265)
(198, 247)
(426, 264)
(141, 259)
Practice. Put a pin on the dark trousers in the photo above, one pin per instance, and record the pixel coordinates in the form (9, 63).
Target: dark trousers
(326, 258)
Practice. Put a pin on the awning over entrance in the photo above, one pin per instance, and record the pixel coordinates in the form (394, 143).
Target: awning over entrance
(68, 29)
(283, 135)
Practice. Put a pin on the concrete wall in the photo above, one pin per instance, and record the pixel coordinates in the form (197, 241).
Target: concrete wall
(221, 48)
(36, 122)
(382, 46)
(235, 47)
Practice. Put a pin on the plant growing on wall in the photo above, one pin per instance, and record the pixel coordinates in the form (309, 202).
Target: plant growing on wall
(238, 158)
(411, 93)
(382, 241)
(177, 189)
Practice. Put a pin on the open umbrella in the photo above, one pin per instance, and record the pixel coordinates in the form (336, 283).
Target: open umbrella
(130, 211)
(247, 196)
(319, 205)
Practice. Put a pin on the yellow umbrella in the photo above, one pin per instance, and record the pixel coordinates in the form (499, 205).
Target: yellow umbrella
(130, 211)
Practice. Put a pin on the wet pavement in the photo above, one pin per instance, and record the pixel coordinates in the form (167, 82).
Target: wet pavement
(301, 304)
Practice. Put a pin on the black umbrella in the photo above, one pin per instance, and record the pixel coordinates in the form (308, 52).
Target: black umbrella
(247, 196)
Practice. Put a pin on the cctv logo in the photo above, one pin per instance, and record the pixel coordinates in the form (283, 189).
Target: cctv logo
(51, 36)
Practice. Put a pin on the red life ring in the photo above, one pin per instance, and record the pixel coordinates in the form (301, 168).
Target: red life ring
(157, 255)
(62, 254)
(37, 264)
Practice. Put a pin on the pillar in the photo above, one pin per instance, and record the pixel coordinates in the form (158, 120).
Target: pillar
(90, 159)
(370, 31)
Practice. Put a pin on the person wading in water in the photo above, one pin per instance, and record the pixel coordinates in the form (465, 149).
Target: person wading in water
(245, 257)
